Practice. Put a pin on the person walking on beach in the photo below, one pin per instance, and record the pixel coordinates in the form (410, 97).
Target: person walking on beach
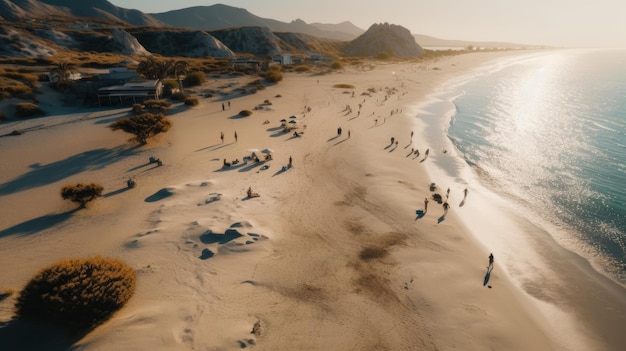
(411, 135)
(445, 208)
(348, 133)
(223, 106)
(490, 260)
(448, 193)
(465, 193)
(235, 136)
(339, 131)
(290, 161)
(222, 137)
(425, 205)
(229, 105)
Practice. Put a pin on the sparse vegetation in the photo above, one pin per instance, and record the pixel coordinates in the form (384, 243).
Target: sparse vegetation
(178, 96)
(27, 109)
(143, 126)
(245, 113)
(344, 86)
(158, 105)
(274, 74)
(192, 101)
(194, 79)
(77, 293)
(302, 68)
(82, 193)
(336, 65)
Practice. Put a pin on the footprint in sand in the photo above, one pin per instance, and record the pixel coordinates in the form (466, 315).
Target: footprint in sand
(213, 197)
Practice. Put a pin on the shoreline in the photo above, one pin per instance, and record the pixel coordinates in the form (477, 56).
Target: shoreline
(528, 245)
(329, 257)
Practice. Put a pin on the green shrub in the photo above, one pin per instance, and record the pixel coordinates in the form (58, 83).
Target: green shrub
(77, 293)
(194, 79)
(274, 74)
(81, 193)
(27, 109)
(336, 65)
(245, 113)
(143, 126)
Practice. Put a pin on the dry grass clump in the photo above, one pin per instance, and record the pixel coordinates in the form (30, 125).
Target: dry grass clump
(274, 74)
(302, 68)
(192, 101)
(81, 193)
(194, 79)
(344, 86)
(157, 105)
(336, 65)
(178, 96)
(10, 87)
(27, 109)
(77, 293)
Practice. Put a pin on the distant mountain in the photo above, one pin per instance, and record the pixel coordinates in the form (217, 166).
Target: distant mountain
(218, 17)
(384, 38)
(103, 9)
(16, 10)
(426, 41)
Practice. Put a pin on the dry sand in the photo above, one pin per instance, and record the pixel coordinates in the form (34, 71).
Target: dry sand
(329, 257)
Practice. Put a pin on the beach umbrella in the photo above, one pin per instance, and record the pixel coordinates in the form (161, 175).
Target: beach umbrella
(292, 122)
(267, 151)
(292, 116)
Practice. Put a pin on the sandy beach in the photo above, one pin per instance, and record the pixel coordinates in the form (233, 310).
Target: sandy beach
(330, 256)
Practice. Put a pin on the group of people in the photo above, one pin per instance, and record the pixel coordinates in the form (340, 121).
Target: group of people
(222, 137)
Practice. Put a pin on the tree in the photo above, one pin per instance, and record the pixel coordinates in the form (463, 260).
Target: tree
(143, 126)
(154, 68)
(62, 72)
(81, 193)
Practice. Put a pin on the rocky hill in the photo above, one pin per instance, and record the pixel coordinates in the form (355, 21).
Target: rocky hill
(384, 38)
(176, 42)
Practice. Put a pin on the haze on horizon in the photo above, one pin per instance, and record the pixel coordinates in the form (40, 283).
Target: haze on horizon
(568, 23)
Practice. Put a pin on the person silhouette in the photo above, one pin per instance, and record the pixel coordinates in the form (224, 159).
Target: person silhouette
(490, 260)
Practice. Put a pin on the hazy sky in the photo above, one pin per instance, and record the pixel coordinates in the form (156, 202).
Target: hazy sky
(581, 23)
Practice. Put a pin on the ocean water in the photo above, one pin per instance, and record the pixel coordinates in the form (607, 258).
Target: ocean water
(547, 131)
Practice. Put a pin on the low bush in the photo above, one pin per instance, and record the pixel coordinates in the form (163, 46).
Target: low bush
(81, 193)
(137, 109)
(194, 79)
(274, 74)
(159, 105)
(178, 96)
(336, 65)
(245, 113)
(192, 101)
(77, 293)
(27, 109)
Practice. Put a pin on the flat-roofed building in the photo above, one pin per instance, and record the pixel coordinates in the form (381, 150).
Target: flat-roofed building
(132, 92)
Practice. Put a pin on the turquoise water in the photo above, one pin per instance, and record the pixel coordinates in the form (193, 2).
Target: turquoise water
(549, 132)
